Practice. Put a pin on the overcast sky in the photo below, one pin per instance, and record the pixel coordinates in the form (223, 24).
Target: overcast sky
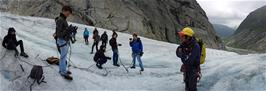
(229, 12)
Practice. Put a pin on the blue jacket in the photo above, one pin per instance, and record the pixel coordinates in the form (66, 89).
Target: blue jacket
(136, 46)
(86, 32)
(190, 54)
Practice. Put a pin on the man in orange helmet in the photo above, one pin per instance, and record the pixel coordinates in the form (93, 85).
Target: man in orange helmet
(189, 52)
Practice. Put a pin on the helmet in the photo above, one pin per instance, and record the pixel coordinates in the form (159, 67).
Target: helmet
(187, 31)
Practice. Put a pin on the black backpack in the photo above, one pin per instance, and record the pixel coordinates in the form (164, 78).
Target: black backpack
(36, 74)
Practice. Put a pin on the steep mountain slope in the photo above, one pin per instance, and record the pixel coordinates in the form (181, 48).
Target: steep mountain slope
(156, 19)
(222, 71)
(223, 31)
(251, 34)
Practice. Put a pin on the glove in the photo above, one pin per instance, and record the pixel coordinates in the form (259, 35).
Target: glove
(108, 58)
(141, 53)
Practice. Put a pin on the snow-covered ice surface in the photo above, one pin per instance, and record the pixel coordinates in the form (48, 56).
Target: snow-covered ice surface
(223, 71)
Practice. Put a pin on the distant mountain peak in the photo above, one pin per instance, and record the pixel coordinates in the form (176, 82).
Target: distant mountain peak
(251, 34)
(223, 31)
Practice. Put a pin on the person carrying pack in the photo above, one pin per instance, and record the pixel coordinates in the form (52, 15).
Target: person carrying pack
(86, 35)
(190, 53)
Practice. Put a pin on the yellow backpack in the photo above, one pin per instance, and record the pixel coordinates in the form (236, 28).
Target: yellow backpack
(202, 49)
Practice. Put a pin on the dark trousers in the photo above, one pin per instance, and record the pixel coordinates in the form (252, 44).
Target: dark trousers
(115, 56)
(95, 43)
(13, 46)
(86, 39)
(191, 80)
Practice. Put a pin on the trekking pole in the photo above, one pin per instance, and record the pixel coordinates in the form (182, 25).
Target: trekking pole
(20, 64)
(123, 65)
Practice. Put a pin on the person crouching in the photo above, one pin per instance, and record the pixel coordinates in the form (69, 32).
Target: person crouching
(100, 57)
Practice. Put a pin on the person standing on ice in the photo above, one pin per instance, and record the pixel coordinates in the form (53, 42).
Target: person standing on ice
(113, 43)
(10, 42)
(86, 35)
(114, 33)
(104, 38)
(137, 51)
(62, 40)
(189, 52)
(96, 38)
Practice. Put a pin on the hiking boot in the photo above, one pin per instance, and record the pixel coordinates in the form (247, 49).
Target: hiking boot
(117, 65)
(24, 54)
(133, 67)
(99, 66)
(67, 77)
(68, 72)
(142, 70)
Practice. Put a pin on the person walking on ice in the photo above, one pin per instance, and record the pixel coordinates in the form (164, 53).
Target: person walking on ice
(86, 35)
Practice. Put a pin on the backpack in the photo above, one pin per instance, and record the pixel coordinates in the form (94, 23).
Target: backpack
(97, 38)
(53, 60)
(202, 50)
(36, 74)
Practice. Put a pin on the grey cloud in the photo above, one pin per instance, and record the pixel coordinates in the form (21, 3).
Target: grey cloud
(239, 10)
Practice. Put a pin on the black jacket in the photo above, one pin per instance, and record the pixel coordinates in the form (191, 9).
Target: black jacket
(104, 37)
(9, 39)
(61, 27)
(99, 56)
(113, 43)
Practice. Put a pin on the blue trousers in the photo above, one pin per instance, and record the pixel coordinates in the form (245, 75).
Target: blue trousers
(115, 56)
(137, 56)
(63, 56)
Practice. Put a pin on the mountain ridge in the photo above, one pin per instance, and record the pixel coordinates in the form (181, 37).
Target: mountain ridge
(251, 34)
(156, 19)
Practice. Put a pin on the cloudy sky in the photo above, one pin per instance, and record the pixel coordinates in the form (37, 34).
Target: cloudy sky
(229, 12)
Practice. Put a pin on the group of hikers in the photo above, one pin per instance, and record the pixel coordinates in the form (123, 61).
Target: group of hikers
(63, 36)
(191, 51)
(100, 58)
